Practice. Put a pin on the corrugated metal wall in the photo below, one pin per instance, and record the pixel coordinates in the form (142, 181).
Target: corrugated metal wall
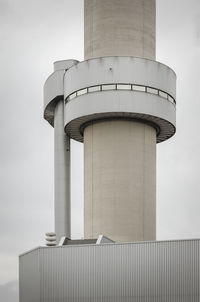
(152, 271)
(29, 276)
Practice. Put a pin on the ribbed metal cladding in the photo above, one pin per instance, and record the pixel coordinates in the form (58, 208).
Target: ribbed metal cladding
(166, 271)
(29, 276)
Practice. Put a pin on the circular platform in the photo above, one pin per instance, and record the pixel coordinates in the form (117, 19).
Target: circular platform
(120, 88)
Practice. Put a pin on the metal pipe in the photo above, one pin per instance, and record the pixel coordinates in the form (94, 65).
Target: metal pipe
(62, 175)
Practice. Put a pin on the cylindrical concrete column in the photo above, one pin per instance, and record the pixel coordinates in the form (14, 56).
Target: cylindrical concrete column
(120, 155)
(120, 180)
(62, 175)
(120, 28)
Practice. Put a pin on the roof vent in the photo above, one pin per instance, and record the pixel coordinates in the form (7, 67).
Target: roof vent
(50, 239)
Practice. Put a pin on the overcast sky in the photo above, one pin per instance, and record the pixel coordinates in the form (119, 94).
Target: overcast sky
(33, 35)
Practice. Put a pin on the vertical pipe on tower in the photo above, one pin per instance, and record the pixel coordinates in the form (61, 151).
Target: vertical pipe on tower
(54, 107)
(61, 175)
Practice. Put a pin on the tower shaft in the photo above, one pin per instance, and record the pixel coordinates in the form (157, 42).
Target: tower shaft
(119, 28)
(120, 155)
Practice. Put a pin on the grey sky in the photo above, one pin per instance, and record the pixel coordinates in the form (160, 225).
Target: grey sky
(33, 35)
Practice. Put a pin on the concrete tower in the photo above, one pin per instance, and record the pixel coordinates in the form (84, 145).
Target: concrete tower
(120, 153)
(120, 102)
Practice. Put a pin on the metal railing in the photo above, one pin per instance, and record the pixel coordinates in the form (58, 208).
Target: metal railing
(126, 87)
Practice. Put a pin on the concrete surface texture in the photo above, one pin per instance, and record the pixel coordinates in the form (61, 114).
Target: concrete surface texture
(120, 156)
(120, 28)
(120, 181)
(61, 175)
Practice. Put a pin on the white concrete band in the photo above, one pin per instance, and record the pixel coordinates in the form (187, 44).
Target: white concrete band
(155, 104)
